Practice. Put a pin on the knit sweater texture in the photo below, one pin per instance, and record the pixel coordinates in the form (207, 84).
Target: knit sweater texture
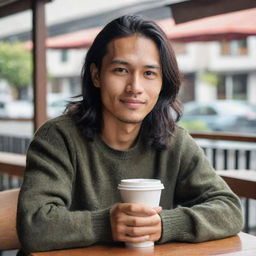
(70, 184)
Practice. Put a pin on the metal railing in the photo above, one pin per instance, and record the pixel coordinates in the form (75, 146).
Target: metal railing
(14, 144)
(228, 151)
(231, 151)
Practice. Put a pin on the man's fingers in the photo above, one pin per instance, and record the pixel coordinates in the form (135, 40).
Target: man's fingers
(138, 209)
(141, 231)
(158, 209)
(133, 221)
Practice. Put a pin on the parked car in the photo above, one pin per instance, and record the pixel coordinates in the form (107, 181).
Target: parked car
(19, 109)
(222, 115)
(3, 111)
(56, 104)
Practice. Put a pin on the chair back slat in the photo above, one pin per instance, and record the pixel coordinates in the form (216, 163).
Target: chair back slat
(8, 210)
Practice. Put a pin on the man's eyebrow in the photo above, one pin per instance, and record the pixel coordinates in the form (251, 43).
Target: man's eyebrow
(116, 61)
(153, 66)
(119, 62)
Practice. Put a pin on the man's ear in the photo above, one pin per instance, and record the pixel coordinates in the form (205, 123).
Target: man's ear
(95, 75)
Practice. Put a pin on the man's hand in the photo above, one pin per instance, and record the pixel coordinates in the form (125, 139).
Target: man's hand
(135, 223)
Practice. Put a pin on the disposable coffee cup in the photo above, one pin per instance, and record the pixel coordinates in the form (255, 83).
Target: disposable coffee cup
(141, 191)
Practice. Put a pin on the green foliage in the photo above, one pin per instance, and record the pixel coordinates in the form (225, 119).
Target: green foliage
(15, 64)
(210, 78)
(194, 125)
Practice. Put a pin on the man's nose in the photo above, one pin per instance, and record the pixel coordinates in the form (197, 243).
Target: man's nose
(134, 84)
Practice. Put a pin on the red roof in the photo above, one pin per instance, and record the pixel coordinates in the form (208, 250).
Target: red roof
(234, 25)
(225, 26)
(78, 39)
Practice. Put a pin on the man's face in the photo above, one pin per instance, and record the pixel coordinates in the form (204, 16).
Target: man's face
(130, 79)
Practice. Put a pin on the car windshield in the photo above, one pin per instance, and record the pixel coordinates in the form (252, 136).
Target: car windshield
(219, 115)
(234, 108)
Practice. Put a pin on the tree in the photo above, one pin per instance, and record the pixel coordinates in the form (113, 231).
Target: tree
(15, 65)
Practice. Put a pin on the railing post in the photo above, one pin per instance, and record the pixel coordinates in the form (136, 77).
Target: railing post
(247, 201)
(39, 62)
(236, 159)
(225, 156)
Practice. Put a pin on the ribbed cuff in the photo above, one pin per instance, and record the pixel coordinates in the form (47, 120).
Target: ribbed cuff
(101, 226)
(176, 226)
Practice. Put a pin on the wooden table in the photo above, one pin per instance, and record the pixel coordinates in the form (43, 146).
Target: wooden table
(240, 245)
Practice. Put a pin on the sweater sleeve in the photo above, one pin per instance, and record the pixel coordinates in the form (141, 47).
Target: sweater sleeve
(45, 219)
(206, 209)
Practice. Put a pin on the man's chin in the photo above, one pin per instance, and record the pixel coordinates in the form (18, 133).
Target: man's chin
(130, 121)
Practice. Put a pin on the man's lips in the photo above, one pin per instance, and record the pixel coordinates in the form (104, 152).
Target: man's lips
(132, 102)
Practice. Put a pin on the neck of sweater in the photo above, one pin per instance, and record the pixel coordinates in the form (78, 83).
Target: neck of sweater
(136, 149)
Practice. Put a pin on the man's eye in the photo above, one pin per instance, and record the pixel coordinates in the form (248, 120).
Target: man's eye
(150, 73)
(120, 70)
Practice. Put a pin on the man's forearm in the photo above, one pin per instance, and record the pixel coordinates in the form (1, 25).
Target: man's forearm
(53, 227)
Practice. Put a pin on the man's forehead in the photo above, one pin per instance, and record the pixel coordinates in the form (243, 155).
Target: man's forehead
(130, 44)
(118, 44)
(122, 41)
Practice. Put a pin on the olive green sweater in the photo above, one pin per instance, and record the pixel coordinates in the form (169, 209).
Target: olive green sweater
(70, 184)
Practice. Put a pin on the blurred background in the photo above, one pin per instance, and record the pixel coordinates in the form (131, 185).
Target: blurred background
(216, 56)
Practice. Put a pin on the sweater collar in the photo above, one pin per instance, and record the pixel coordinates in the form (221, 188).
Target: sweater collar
(123, 154)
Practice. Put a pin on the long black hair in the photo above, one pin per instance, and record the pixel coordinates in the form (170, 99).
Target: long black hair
(159, 124)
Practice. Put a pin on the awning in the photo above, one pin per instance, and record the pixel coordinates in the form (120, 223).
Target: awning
(234, 25)
(229, 26)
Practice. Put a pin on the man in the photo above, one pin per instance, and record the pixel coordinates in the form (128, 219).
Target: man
(124, 127)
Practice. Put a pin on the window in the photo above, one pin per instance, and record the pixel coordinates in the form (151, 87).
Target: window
(2, 105)
(240, 87)
(187, 90)
(209, 111)
(221, 88)
(234, 47)
(56, 85)
(232, 87)
(75, 85)
(64, 55)
(202, 111)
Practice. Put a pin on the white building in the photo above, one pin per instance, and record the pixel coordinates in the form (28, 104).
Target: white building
(233, 62)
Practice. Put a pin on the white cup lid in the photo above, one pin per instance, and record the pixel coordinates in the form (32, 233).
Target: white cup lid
(140, 184)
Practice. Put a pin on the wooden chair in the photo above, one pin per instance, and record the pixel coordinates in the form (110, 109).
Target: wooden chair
(242, 182)
(12, 164)
(8, 210)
